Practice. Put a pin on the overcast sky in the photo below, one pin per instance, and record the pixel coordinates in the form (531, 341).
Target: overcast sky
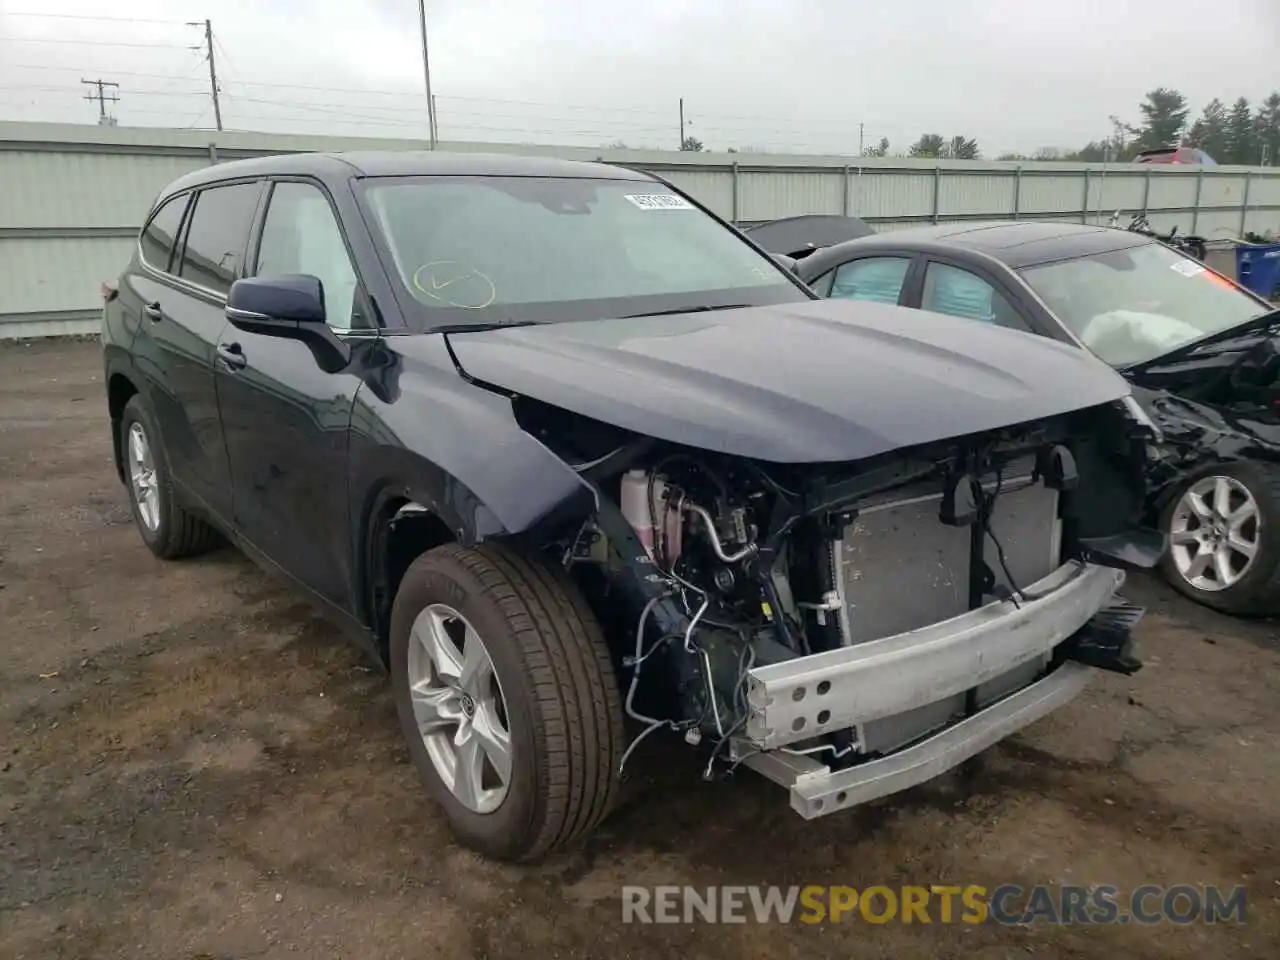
(786, 75)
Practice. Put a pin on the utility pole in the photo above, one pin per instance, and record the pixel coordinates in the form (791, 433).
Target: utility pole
(102, 97)
(213, 67)
(860, 131)
(426, 74)
(682, 123)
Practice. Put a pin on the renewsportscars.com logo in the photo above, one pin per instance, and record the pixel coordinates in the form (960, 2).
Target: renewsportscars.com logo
(1008, 904)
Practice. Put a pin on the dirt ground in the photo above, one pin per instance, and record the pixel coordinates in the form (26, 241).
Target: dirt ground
(194, 765)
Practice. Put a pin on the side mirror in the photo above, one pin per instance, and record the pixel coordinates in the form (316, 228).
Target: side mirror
(269, 304)
(289, 307)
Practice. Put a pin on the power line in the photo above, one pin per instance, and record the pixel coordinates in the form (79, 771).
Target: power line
(78, 16)
(131, 92)
(365, 111)
(100, 43)
(118, 73)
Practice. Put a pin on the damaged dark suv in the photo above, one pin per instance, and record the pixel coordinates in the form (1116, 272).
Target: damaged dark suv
(581, 463)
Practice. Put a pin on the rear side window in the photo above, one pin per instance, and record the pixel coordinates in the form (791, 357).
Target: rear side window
(160, 234)
(876, 278)
(219, 233)
(960, 293)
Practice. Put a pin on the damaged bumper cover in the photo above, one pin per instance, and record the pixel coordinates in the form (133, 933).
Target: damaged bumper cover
(1072, 611)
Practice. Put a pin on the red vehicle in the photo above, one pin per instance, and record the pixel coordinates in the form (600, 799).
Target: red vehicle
(1174, 155)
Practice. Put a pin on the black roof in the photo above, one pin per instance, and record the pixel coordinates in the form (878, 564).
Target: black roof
(1017, 243)
(798, 236)
(403, 164)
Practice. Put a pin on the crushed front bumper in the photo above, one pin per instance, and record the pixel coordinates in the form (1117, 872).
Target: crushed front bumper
(848, 688)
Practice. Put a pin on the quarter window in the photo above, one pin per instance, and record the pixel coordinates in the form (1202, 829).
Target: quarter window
(878, 279)
(959, 293)
(219, 233)
(160, 234)
(301, 235)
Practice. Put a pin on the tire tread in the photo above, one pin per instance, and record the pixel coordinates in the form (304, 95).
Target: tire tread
(183, 534)
(578, 708)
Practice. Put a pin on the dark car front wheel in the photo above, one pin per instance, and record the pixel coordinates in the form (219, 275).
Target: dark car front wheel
(167, 527)
(1224, 538)
(507, 699)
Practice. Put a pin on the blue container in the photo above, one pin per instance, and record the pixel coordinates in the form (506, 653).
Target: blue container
(1258, 268)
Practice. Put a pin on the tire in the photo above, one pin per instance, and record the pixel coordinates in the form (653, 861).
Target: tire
(175, 532)
(563, 711)
(1257, 591)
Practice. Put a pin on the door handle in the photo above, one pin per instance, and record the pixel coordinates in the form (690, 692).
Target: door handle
(232, 356)
(153, 312)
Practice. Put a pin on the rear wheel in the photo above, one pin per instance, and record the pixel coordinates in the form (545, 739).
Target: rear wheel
(1224, 538)
(167, 528)
(507, 699)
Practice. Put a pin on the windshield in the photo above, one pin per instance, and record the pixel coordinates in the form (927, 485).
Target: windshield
(481, 250)
(1130, 306)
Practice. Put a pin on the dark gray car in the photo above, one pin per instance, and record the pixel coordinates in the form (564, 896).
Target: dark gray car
(1200, 351)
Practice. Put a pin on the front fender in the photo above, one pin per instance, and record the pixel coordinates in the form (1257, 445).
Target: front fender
(1196, 437)
(425, 434)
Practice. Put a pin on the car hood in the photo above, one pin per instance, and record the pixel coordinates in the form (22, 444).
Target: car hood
(824, 380)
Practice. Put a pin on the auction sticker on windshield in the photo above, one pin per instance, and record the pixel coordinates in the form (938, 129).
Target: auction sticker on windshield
(1188, 268)
(659, 201)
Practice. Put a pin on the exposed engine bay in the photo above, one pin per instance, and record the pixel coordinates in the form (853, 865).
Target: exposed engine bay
(739, 568)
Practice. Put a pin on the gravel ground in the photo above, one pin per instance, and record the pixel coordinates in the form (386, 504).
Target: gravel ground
(194, 765)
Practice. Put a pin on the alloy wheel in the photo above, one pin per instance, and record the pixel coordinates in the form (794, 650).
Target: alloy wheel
(142, 477)
(1215, 533)
(459, 707)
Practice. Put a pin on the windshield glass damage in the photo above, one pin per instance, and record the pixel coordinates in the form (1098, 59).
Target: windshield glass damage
(481, 249)
(1133, 305)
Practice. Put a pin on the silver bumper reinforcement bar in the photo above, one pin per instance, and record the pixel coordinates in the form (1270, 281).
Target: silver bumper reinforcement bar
(816, 790)
(838, 689)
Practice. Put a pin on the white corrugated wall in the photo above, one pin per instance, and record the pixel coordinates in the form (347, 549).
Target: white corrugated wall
(73, 197)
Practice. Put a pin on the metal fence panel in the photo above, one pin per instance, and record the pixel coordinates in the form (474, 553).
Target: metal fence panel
(975, 195)
(767, 196)
(77, 190)
(58, 274)
(1054, 193)
(1172, 190)
(894, 194)
(72, 197)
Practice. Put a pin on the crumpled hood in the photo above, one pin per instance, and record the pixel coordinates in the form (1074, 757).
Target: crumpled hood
(826, 380)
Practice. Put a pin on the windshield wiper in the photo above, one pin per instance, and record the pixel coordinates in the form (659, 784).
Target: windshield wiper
(698, 308)
(1262, 322)
(480, 327)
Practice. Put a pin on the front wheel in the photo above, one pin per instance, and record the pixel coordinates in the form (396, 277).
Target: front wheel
(507, 699)
(1224, 538)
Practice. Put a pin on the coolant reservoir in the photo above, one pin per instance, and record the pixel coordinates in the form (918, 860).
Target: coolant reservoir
(639, 503)
(634, 501)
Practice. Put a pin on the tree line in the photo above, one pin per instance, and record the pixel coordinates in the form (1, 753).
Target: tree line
(1240, 133)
